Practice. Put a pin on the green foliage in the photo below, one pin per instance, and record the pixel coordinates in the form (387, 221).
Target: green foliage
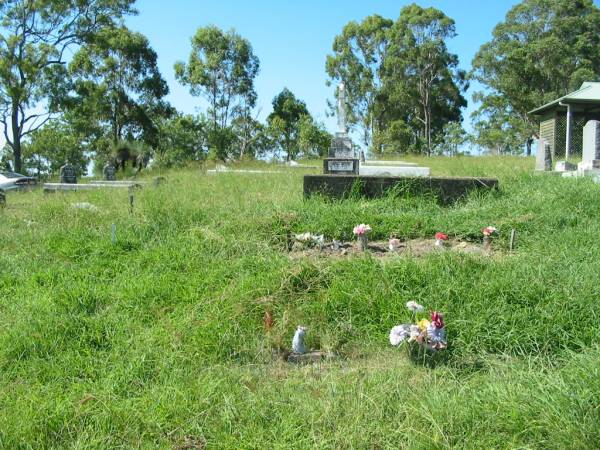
(50, 146)
(541, 51)
(35, 37)
(403, 84)
(221, 68)
(313, 138)
(422, 83)
(182, 139)
(284, 122)
(358, 54)
(118, 89)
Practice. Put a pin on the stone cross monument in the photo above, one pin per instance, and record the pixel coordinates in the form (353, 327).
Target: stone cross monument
(342, 156)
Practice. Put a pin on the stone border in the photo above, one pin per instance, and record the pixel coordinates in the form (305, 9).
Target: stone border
(445, 189)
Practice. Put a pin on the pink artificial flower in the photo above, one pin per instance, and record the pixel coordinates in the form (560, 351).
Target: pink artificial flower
(437, 319)
(488, 231)
(441, 236)
(362, 229)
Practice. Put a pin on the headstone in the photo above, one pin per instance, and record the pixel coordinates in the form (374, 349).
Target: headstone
(68, 174)
(591, 146)
(2, 199)
(109, 171)
(564, 166)
(543, 158)
(342, 155)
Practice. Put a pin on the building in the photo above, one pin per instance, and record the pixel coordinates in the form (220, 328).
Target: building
(562, 120)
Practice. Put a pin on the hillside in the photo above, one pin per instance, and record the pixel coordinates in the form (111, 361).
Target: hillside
(157, 340)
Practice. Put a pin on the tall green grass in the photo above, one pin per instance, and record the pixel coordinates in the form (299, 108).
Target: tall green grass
(157, 340)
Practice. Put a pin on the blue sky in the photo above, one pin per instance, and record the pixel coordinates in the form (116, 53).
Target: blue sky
(292, 39)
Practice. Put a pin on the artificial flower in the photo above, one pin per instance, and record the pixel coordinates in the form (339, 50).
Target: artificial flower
(415, 333)
(399, 334)
(437, 319)
(414, 306)
(362, 229)
(488, 231)
(441, 236)
(423, 324)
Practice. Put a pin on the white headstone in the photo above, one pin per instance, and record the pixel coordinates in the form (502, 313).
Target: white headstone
(543, 158)
(591, 145)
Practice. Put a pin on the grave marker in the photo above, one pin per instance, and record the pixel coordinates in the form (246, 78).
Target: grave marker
(109, 171)
(342, 155)
(68, 174)
(591, 146)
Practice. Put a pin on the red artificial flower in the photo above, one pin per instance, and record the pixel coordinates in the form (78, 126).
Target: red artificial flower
(441, 236)
(437, 319)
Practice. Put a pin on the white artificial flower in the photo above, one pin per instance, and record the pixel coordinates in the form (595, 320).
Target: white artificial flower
(414, 306)
(303, 237)
(415, 331)
(399, 333)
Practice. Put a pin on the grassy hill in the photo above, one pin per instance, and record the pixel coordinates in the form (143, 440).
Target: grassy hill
(157, 340)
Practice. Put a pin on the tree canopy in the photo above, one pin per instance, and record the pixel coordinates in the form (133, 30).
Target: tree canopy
(403, 84)
(221, 68)
(34, 39)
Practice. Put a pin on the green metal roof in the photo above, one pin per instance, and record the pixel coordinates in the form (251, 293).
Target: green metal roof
(589, 92)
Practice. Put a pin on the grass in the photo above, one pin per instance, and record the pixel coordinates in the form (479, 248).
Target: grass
(156, 341)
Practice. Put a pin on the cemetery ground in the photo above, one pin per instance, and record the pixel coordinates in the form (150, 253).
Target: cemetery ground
(156, 340)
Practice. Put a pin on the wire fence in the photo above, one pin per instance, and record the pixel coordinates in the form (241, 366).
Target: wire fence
(560, 136)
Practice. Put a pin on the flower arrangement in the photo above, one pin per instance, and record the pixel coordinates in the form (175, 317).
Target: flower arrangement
(310, 240)
(361, 232)
(488, 232)
(427, 334)
(441, 239)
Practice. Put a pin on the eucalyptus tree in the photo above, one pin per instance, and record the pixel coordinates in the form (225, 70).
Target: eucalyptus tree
(541, 51)
(221, 68)
(421, 82)
(358, 54)
(284, 122)
(118, 88)
(35, 37)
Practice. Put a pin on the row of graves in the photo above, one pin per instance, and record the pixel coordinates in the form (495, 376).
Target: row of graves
(68, 180)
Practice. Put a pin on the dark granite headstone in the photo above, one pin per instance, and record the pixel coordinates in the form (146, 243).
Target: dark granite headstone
(68, 174)
(109, 171)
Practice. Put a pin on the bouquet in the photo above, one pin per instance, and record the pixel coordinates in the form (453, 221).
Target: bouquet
(428, 334)
(361, 232)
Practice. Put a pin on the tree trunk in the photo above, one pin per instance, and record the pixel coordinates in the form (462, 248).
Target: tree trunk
(529, 144)
(16, 138)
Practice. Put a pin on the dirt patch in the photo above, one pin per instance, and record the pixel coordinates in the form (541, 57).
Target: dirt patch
(380, 249)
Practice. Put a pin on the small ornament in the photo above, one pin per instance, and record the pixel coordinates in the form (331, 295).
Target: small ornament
(298, 345)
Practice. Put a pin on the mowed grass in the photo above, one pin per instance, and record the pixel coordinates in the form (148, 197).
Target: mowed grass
(157, 340)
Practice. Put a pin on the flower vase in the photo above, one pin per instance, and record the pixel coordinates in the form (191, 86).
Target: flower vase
(439, 244)
(487, 243)
(362, 242)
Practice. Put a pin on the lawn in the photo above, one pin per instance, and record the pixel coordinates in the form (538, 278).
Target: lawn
(157, 340)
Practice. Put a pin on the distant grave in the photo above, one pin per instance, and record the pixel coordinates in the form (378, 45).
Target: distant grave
(345, 173)
(109, 171)
(68, 174)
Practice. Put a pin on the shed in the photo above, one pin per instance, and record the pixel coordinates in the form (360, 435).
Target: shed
(562, 120)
